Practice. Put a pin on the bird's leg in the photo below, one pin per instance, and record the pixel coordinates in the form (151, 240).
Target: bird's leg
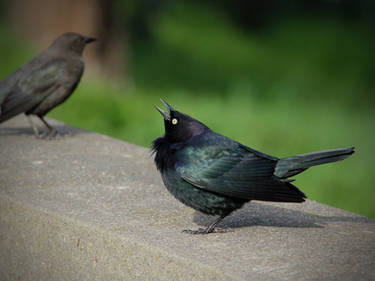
(35, 129)
(210, 228)
(52, 131)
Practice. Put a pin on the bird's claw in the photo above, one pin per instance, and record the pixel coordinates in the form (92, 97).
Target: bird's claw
(48, 135)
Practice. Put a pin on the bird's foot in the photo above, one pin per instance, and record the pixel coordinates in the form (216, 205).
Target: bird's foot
(207, 230)
(48, 135)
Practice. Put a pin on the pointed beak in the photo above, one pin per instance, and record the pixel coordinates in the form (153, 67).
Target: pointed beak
(167, 116)
(90, 39)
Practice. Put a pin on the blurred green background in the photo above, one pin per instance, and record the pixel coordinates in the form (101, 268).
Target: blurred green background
(281, 78)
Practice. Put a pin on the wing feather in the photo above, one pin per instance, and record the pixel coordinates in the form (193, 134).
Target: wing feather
(226, 167)
(29, 87)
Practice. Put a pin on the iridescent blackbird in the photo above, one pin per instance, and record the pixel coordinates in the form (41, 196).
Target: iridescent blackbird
(44, 82)
(217, 175)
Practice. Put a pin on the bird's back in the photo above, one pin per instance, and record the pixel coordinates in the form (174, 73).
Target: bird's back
(39, 85)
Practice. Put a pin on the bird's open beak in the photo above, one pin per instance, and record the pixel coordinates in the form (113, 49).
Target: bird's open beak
(167, 116)
(90, 39)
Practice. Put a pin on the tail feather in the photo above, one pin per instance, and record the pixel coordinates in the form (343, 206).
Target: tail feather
(294, 165)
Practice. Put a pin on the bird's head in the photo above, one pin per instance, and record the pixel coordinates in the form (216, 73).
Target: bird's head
(178, 126)
(72, 42)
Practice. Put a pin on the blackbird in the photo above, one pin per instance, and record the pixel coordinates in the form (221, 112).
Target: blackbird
(44, 82)
(217, 175)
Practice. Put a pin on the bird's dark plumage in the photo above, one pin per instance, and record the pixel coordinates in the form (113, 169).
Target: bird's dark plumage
(46, 81)
(217, 175)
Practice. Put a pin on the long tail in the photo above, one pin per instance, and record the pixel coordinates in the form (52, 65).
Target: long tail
(294, 165)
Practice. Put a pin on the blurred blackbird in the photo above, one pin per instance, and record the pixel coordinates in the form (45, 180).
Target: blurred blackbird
(216, 175)
(44, 82)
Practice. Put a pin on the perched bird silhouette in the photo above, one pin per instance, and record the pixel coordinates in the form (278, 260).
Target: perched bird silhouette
(217, 175)
(44, 82)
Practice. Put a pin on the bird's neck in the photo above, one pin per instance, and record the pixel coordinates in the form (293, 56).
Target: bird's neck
(165, 153)
(160, 148)
(66, 53)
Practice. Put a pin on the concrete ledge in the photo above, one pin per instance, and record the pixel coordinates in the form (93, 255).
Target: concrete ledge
(89, 207)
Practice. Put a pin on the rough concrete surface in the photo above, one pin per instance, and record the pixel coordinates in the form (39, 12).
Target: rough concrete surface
(89, 207)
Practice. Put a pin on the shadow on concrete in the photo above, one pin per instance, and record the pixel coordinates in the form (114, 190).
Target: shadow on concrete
(28, 131)
(257, 214)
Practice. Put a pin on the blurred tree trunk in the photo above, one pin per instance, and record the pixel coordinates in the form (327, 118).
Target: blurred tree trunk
(41, 21)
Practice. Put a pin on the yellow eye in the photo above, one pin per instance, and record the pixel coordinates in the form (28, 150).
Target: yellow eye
(174, 121)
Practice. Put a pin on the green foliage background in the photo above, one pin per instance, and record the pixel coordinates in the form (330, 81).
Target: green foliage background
(301, 85)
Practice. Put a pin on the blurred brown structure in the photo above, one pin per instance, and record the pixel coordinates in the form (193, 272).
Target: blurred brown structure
(41, 21)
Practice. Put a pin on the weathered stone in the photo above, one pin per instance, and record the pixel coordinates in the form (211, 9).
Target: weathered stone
(89, 207)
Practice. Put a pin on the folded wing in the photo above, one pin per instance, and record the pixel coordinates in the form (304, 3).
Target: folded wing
(24, 90)
(235, 171)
